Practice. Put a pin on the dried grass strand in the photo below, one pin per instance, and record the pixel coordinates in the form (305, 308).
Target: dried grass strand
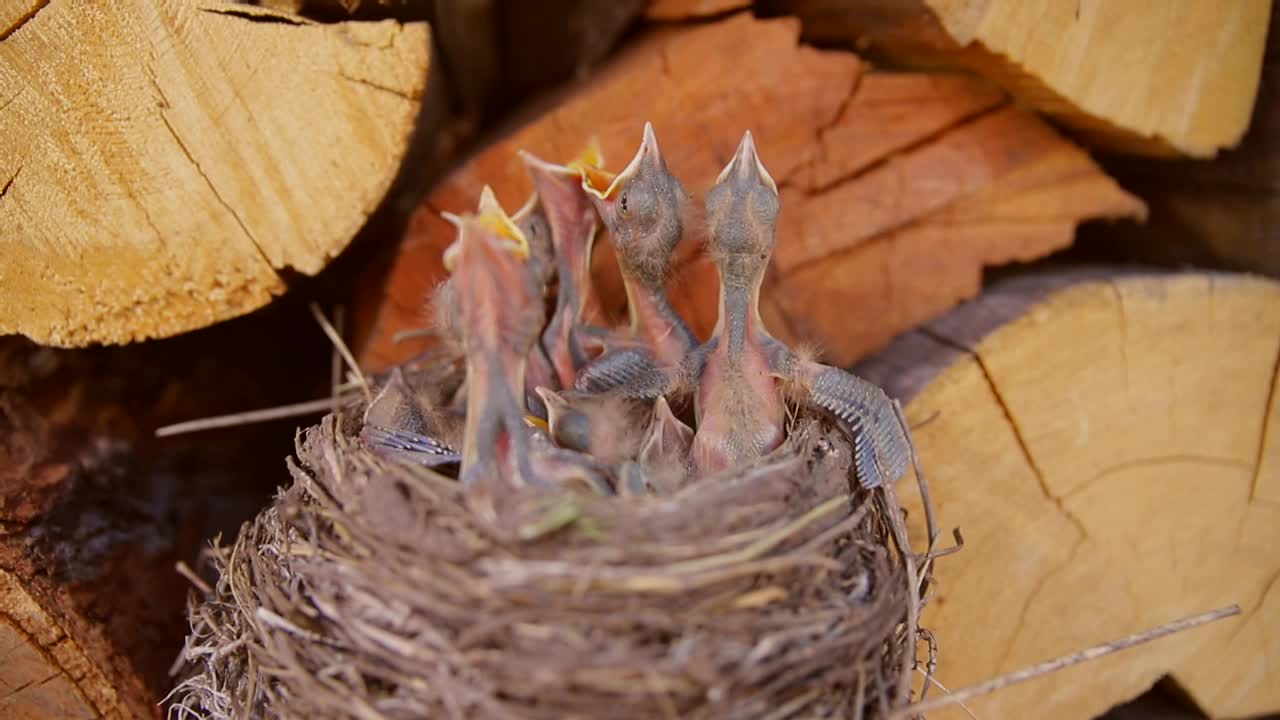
(1064, 661)
(370, 587)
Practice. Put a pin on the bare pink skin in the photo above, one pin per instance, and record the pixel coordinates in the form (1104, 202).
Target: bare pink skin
(739, 410)
(738, 405)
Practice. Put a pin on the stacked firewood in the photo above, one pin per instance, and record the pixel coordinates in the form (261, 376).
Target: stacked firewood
(1072, 423)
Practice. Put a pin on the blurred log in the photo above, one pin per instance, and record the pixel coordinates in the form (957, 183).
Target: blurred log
(897, 188)
(1110, 447)
(95, 511)
(162, 175)
(1149, 76)
(1221, 213)
(689, 9)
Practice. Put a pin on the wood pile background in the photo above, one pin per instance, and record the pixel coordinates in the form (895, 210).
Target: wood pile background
(1108, 440)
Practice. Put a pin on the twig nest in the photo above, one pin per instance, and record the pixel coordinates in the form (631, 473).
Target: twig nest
(371, 589)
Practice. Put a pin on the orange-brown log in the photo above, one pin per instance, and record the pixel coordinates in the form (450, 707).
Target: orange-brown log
(897, 188)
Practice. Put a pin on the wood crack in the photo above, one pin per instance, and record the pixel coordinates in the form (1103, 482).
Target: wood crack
(1122, 321)
(23, 19)
(217, 195)
(1157, 461)
(384, 88)
(9, 183)
(10, 99)
(905, 221)
(256, 15)
(1266, 428)
(819, 137)
(926, 139)
(1036, 589)
(1013, 425)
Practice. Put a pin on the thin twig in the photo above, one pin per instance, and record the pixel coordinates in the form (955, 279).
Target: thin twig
(412, 334)
(929, 520)
(930, 680)
(185, 571)
(893, 514)
(341, 347)
(1075, 658)
(335, 360)
(247, 417)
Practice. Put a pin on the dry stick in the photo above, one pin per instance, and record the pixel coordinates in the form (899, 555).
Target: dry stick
(931, 526)
(247, 417)
(894, 512)
(341, 347)
(930, 681)
(335, 360)
(280, 412)
(929, 520)
(1065, 661)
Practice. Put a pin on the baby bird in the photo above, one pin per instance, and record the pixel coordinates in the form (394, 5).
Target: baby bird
(500, 311)
(664, 453)
(737, 405)
(573, 226)
(541, 265)
(398, 423)
(642, 206)
(743, 370)
(605, 426)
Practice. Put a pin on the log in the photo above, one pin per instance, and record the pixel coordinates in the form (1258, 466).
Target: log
(897, 188)
(95, 512)
(1150, 76)
(690, 9)
(1219, 213)
(1109, 445)
(164, 165)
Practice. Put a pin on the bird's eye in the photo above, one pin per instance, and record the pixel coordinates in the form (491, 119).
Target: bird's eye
(622, 202)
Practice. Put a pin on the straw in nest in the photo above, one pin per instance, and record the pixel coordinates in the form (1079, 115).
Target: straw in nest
(370, 589)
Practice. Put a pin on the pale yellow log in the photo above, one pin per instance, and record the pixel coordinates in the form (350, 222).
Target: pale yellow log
(1108, 456)
(161, 161)
(1147, 76)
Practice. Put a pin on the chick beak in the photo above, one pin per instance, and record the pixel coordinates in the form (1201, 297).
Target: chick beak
(745, 171)
(556, 405)
(603, 188)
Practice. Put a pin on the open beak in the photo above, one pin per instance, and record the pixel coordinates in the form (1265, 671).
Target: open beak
(602, 185)
(491, 231)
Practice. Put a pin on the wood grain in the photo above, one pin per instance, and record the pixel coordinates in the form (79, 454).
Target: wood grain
(1145, 76)
(162, 163)
(1104, 444)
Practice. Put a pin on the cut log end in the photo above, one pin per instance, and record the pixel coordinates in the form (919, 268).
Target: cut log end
(207, 181)
(1110, 449)
(1153, 100)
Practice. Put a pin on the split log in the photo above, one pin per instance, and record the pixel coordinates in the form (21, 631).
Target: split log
(1150, 77)
(161, 164)
(1109, 445)
(897, 188)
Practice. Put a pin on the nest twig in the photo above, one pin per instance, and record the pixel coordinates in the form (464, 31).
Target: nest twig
(371, 589)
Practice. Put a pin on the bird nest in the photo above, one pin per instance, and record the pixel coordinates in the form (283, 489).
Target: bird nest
(371, 588)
